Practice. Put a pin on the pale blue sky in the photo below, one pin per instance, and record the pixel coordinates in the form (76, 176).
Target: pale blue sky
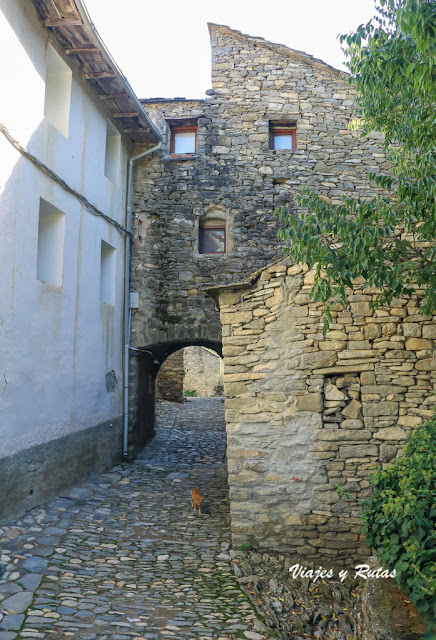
(163, 47)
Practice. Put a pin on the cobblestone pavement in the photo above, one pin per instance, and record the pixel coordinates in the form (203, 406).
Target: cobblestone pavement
(124, 556)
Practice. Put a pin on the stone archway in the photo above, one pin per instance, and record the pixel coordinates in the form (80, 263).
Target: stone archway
(145, 364)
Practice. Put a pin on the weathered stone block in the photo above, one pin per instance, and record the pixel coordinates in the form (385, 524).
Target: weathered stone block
(429, 331)
(361, 309)
(352, 410)
(385, 408)
(317, 360)
(331, 392)
(236, 317)
(337, 435)
(372, 331)
(426, 365)
(355, 353)
(310, 402)
(387, 452)
(352, 424)
(358, 451)
(390, 433)
(367, 378)
(416, 344)
(409, 421)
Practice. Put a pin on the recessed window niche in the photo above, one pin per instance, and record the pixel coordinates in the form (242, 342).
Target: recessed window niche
(112, 154)
(51, 233)
(107, 273)
(57, 91)
(212, 231)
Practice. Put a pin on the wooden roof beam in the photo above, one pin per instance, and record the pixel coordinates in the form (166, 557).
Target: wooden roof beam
(62, 22)
(99, 74)
(125, 114)
(73, 51)
(112, 96)
(137, 130)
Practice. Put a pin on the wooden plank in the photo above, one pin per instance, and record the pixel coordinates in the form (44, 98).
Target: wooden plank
(62, 22)
(125, 114)
(73, 51)
(137, 130)
(112, 96)
(99, 74)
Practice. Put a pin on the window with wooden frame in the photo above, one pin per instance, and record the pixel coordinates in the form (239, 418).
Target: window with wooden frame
(212, 233)
(282, 135)
(183, 139)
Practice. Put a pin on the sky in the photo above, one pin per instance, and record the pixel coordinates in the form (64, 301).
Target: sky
(163, 47)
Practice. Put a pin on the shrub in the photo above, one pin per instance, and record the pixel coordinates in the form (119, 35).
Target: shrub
(190, 394)
(401, 520)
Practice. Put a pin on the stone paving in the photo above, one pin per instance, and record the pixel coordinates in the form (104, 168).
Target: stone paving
(124, 556)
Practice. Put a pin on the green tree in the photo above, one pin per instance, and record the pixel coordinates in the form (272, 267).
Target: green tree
(400, 520)
(388, 240)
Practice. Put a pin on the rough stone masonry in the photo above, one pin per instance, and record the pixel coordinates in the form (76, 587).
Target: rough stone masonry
(234, 174)
(308, 417)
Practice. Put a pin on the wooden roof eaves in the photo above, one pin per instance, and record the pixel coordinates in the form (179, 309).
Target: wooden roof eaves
(77, 25)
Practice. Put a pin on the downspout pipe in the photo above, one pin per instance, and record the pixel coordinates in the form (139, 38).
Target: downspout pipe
(92, 31)
(127, 313)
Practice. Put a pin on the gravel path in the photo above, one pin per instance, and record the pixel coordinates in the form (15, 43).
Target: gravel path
(124, 556)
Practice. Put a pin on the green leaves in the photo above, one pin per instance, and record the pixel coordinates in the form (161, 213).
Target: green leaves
(400, 519)
(389, 240)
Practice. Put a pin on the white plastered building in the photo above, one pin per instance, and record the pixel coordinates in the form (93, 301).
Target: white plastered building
(69, 125)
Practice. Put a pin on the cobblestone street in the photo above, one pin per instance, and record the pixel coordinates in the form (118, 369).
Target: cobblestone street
(124, 556)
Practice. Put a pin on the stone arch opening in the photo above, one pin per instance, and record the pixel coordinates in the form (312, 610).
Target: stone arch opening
(195, 371)
(145, 365)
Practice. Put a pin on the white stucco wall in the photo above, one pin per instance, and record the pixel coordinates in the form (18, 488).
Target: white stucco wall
(56, 343)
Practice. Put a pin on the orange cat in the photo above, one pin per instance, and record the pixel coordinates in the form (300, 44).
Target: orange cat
(196, 500)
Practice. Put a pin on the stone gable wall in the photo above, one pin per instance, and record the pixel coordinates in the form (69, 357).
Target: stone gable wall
(235, 171)
(309, 417)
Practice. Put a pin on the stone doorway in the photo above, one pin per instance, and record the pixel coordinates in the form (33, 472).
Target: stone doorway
(145, 365)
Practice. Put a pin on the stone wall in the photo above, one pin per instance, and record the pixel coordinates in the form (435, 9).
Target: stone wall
(189, 369)
(235, 172)
(202, 371)
(170, 378)
(309, 417)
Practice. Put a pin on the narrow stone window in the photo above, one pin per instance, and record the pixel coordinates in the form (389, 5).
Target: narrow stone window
(282, 135)
(212, 231)
(107, 273)
(183, 139)
(57, 91)
(51, 232)
(112, 154)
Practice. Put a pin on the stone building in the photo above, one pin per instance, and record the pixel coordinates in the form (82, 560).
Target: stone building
(274, 121)
(309, 417)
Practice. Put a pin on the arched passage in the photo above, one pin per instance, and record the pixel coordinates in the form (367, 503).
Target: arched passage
(191, 371)
(145, 365)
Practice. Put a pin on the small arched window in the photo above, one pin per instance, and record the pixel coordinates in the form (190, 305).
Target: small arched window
(212, 232)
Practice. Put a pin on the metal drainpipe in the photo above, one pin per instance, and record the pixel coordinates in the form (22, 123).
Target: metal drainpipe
(127, 313)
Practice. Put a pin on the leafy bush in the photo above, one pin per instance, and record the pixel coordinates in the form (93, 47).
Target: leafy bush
(401, 520)
(190, 394)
